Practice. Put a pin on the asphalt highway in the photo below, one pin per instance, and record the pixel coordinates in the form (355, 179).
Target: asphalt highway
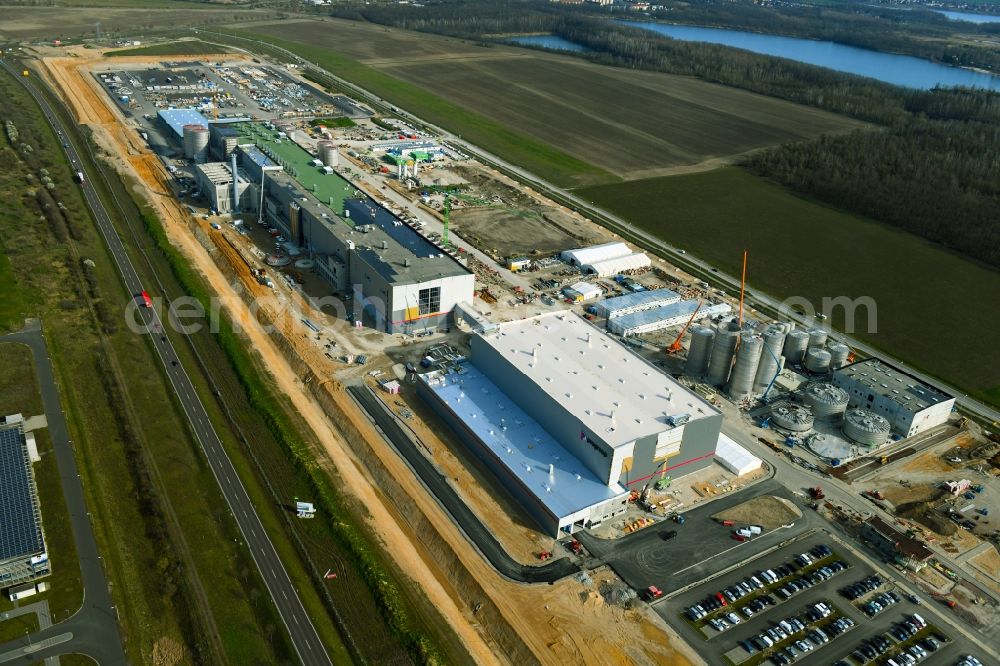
(300, 628)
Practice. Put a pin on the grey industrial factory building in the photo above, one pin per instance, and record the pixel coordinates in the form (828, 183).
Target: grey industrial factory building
(570, 420)
(399, 280)
(910, 405)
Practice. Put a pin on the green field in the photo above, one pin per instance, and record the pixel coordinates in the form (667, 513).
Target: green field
(18, 627)
(18, 386)
(934, 307)
(627, 123)
(185, 47)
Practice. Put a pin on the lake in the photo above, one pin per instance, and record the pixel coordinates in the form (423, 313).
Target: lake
(970, 17)
(552, 42)
(897, 69)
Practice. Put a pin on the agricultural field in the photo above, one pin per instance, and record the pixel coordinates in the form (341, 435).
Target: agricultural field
(933, 307)
(629, 124)
(76, 21)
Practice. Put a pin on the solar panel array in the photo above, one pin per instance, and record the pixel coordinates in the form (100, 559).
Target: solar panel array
(20, 519)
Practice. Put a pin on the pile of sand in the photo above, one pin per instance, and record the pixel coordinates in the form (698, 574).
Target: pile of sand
(767, 511)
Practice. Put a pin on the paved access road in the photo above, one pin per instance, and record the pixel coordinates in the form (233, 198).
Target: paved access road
(94, 627)
(438, 486)
(300, 628)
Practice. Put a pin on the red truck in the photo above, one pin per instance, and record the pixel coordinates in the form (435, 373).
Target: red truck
(145, 300)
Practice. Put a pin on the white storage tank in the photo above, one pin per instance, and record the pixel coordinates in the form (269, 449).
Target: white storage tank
(196, 142)
(817, 338)
(866, 428)
(745, 368)
(700, 351)
(838, 355)
(796, 344)
(827, 401)
(328, 153)
(791, 417)
(727, 335)
(770, 357)
(817, 360)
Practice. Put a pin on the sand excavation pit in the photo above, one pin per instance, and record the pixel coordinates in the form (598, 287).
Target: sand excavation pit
(767, 511)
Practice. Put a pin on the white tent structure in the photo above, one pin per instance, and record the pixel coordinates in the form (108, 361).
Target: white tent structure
(583, 291)
(617, 265)
(734, 457)
(588, 255)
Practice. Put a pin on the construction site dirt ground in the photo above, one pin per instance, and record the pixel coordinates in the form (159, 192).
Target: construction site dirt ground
(556, 622)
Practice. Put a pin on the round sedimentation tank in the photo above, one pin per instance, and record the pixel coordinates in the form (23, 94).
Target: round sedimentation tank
(727, 335)
(796, 344)
(838, 355)
(791, 417)
(817, 338)
(817, 360)
(828, 402)
(866, 428)
(700, 351)
(328, 153)
(770, 357)
(278, 260)
(745, 368)
(196, 142)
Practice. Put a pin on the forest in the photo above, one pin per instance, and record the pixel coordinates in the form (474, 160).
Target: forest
(932, 160)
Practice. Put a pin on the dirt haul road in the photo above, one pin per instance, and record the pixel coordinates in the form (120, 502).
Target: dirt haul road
(558, 624)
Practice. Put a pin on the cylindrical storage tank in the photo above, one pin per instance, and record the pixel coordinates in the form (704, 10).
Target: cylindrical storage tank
(796, 344)
(838, 355)
(700, 351)
(770, 357)
(328, 153)
(745, 368)
(817, 338)
(828, 402)
(791, 417)
(866, 428)
(726, 336)
(817, 360)
(196, 142)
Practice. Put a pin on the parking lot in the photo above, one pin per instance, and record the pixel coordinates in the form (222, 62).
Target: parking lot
(701, 546)
(791, 619)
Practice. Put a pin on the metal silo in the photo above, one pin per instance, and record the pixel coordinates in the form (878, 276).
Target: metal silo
(745, 368)
(196, 142)
(789, 416)
(828, 402)
(866, 428)
(770, 357)
(817, 338)
(817, 360)
(796, 344)
(838, 355)
(700, 351)
(726, 337)
(328, 153)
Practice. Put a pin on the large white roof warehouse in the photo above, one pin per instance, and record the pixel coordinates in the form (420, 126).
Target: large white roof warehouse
(589, 255)
(591, 375)
(615, 414)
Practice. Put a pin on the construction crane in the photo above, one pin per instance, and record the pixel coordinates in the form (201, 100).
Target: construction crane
(675, 346)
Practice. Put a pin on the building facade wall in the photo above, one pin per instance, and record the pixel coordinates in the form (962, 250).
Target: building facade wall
(576, 438)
